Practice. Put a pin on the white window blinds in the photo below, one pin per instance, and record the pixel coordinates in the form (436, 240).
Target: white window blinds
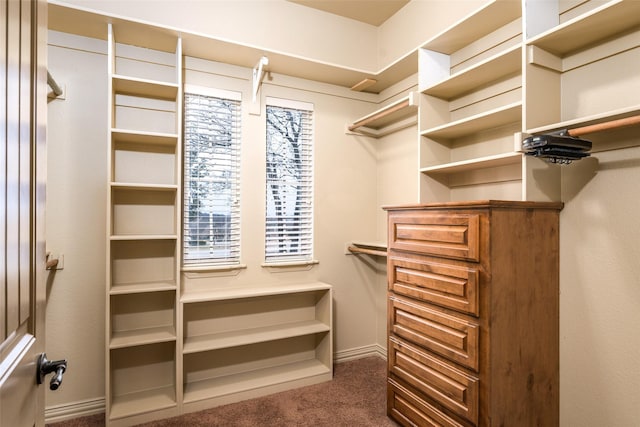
(211, 233)
(289, 185)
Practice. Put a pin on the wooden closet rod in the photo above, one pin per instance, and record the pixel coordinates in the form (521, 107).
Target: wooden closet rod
(383, 113)
(598, 127)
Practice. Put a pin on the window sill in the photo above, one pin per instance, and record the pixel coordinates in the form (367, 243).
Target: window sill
(211, 268)
(290, 264)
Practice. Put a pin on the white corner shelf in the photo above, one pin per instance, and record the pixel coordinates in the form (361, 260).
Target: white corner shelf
(388, 119)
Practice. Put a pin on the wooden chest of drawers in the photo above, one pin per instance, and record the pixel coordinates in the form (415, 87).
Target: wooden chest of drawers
(473, 321)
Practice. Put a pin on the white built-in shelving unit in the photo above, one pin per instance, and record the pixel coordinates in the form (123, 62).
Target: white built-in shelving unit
(244, 342)
(171, 350)
(143, 258)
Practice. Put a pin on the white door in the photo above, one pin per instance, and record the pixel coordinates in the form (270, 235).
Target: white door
(22, 170)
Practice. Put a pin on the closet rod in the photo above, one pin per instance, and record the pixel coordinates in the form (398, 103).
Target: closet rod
(53, 84)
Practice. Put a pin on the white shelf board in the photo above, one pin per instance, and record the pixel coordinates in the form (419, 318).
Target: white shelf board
(587, 120)
(142, 402)
(142, 137)
(132, 237)
(500, 65)
(251, 380)
(489, 119)
(136, 288)
(144, 87)
(252, 336)
(130, 186)
(136, 337)
(591, 27)
(473, 164)
(250, 292)
(476, 25)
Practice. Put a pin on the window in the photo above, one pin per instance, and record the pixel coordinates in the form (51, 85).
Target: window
(289, 182)
(211, 209)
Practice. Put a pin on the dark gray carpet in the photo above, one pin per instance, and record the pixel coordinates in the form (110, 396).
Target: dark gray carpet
(355, 397)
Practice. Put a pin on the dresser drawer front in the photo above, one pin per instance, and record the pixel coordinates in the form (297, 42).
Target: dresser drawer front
(455, 287)
(411, 410)
(454, 236)
(449, 336)
(441, 382)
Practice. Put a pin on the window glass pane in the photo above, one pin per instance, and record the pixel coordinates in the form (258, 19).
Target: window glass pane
(289, 189)
(211, 233)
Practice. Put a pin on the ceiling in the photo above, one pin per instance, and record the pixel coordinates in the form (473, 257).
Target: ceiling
(373, 12)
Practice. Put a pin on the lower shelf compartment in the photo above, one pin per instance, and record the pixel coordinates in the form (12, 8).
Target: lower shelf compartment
(246, 369)
(142, 379)
(251, 380)
(143, 401)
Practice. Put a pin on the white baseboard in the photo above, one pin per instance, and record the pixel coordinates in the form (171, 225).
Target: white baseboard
(360, 352)
(68, 411)
(54, 414)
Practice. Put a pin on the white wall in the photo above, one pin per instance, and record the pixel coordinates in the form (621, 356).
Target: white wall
(600, 290)
(76, 216)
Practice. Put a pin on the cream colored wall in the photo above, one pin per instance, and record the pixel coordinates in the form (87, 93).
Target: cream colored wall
(600, 290)
(76, 217)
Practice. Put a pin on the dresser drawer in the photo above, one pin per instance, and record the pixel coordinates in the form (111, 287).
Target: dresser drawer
(446, 235)
(448, 336)
(410, 410)
(446, 385)
(455, 287)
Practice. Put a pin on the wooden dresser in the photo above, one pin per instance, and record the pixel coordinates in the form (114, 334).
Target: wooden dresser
(473, 314)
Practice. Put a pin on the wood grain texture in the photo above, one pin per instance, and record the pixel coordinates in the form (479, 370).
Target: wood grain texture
(515, 330)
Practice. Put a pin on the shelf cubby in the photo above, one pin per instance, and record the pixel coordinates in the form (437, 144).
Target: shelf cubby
(583, 70)
(142, 318)
(142, 380)
(156, 151)
(142, 265)
(233, 371)
(146, 210)
(249, 341)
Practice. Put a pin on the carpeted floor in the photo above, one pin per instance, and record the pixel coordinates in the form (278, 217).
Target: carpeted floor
(355, 397)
